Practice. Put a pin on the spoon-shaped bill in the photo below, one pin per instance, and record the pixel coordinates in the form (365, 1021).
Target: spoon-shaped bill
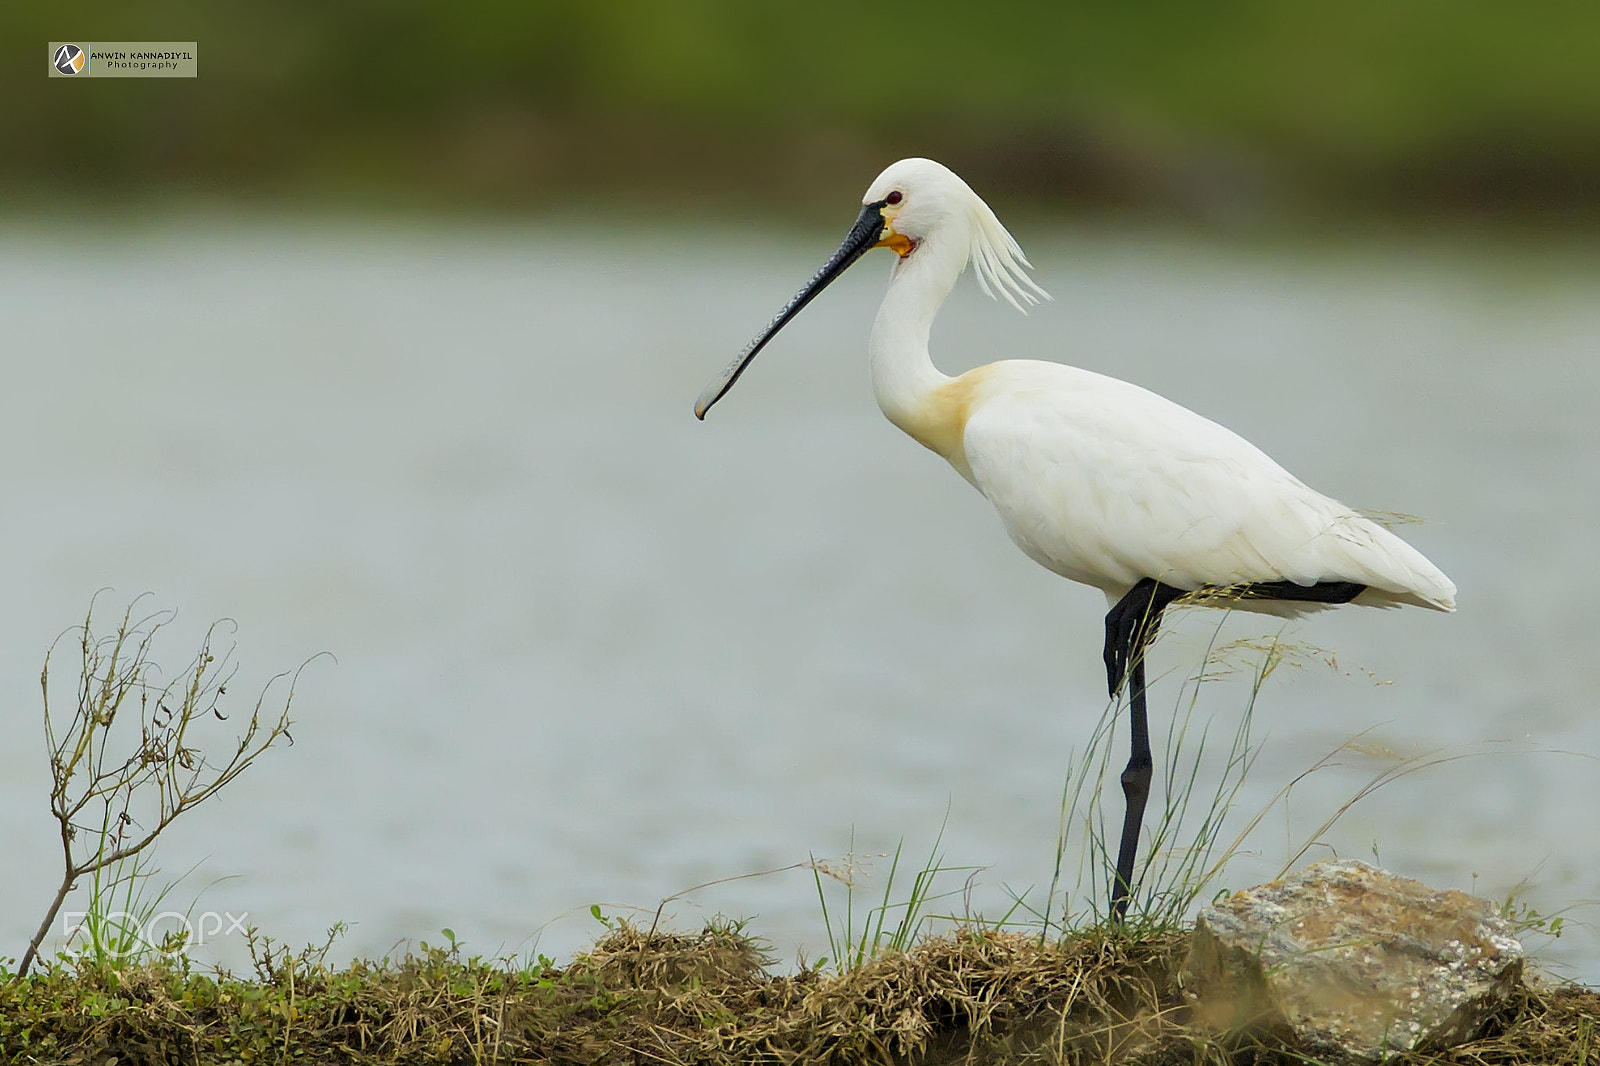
(863, 236)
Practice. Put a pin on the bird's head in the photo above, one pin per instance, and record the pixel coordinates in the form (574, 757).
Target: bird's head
(915, 198)
(917, 208)
(924, 201)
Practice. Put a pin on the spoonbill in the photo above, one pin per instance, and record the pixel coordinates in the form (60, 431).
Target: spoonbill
(1098, 480)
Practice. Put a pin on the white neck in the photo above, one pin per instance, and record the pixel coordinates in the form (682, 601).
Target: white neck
(903, 373)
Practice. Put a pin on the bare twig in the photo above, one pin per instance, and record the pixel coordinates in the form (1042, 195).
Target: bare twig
(113, 792)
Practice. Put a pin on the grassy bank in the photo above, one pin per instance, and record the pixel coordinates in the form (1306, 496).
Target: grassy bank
(121, 740)
(977, 996)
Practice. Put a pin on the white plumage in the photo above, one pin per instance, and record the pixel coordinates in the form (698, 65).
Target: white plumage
(1106, 483)
(1098, 480)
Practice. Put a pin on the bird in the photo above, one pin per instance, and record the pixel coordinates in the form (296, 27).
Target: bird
(1096, 479)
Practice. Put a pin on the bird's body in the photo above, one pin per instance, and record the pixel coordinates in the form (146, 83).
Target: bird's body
(1096, 479)
(1106, 483)
(1102, 481)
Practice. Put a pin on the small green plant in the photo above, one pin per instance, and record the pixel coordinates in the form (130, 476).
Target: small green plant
(126, 761)
(274, 962)
(880, 930)
(121, 915)
(1526, 918)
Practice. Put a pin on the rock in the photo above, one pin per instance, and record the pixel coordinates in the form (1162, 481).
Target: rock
(1358, 963)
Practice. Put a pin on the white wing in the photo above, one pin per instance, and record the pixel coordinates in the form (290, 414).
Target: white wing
(1107, 483)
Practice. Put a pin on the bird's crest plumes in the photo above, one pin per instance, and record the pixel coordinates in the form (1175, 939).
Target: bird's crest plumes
(998, 261)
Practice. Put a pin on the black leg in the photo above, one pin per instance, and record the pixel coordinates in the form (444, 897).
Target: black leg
(1131, 624)
(1130, 627)
(1135, 791)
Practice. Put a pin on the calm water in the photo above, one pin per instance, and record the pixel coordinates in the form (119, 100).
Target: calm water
(590, 650)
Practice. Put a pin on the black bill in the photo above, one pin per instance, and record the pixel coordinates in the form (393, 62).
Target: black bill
(863, 236)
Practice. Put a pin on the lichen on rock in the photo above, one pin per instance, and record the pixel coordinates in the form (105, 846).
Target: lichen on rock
(1356, 962)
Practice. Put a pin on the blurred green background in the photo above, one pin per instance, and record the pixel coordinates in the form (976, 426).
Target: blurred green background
(1225, 112)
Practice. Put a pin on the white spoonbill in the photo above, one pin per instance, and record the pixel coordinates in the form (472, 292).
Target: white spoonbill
(1098, 480)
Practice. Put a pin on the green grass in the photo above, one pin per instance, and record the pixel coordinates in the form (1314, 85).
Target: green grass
(1182, 853)
(891, 925)
(116, 928)
(977, 996)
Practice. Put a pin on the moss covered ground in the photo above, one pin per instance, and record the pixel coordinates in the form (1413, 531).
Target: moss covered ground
(640, 997)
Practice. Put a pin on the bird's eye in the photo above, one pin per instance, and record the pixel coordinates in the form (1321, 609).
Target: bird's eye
(893, 198)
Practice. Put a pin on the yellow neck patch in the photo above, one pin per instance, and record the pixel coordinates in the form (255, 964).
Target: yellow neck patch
(939, 421)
